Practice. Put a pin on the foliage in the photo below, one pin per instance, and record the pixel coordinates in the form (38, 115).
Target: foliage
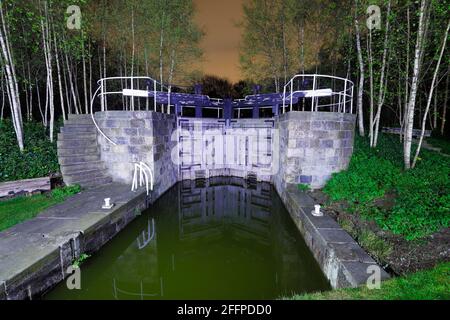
(375, 245)
(39, 158)
(422, 195)
(303, 187)
(431, 284)
(20, 209)
(63, 193)
(83, 257)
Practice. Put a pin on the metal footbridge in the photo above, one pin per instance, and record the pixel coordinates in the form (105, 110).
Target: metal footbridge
(305, 92)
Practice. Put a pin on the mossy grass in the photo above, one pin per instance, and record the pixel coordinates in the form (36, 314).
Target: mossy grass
(23, 208)
(431, 284)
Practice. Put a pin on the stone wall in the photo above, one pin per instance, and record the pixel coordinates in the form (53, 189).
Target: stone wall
(313, 145)
(298, 147)
(140, 136)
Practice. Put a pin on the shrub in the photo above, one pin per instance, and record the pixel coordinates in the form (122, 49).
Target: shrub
(38, 159)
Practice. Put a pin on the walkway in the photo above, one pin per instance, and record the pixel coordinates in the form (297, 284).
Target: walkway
(35, 254)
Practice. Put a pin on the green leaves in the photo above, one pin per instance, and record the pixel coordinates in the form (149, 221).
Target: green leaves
(39, 158)
(422, 195)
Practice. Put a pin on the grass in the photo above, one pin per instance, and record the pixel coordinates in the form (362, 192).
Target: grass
(431, 284)
(20, 209)
(421, 204)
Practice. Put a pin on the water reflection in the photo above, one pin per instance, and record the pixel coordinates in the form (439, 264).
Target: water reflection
(212, 239)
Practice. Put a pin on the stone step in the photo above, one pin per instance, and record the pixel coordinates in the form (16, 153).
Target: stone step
(73, 144)
(77, 167)
(74, 116)
(87, 175)
(73, 159)
(92, 182)
(77, 136)
(78, 128)
(64, 152)
(80, 121)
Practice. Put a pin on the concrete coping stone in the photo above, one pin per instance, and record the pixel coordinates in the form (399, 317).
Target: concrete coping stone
(342, 260)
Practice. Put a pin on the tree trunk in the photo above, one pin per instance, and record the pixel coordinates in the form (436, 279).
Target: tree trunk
(371, 120)
(414, 84)
(12, 85)
(58, 68)
(444, 107)
(361, 82)
(85, 89)
(46, 41)
(382, 92)
(430, 96)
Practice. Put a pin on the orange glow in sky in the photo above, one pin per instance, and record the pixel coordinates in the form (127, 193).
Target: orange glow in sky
(218, 18)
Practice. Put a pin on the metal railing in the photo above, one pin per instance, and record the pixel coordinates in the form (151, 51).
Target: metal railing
(147, 235)
(336, 91)
(141, 177)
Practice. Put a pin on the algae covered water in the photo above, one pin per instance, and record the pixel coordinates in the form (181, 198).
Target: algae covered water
(215, 239)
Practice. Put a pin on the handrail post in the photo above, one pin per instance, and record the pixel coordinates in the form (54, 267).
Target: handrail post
(351, 103)
(345, 95)
(132, 97)
(313, 100)
(154, 95)
(292, 91)
(102, 95)
(168, 98)
(284, 100)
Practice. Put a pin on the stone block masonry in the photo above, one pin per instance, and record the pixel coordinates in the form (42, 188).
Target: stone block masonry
(140, 136)
(296, 147)
(313, 146)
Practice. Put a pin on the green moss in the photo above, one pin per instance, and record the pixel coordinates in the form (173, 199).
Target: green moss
(431, 284)
(20, 209)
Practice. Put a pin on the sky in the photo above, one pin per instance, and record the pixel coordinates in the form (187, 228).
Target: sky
(220, 45)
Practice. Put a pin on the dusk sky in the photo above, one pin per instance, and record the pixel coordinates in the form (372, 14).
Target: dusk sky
(218, 19)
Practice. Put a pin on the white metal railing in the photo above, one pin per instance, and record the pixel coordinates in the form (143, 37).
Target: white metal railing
(147, 235)
(338, 91)
(142, 294)
(141, 175)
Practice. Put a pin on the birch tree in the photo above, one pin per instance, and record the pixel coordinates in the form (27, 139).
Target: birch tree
(418, 54)
(7, 61)
(430, 95)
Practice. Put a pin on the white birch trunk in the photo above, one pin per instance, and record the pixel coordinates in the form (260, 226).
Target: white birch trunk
(11, 81)
(409, 120)
(382, 91)
(58, 68)
(361, 82)
(444, 107)
(430, 96)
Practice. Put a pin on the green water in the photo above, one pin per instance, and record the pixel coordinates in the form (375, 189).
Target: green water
(219, 240)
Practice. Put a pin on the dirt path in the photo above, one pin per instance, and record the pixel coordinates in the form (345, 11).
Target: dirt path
(428, 146)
